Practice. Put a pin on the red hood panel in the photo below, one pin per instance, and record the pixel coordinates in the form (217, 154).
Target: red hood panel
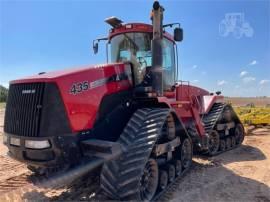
(82, 89)
(54, 75)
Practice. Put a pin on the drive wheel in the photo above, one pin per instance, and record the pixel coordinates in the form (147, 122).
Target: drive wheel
(186, 153)
(178, 167)
(163, 179)
(233, 141)
(213, 145)
(222, 145)
(228, 143)
(239, 134)
(149, 180)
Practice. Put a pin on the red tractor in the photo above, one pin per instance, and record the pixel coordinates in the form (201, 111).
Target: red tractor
(131, 115)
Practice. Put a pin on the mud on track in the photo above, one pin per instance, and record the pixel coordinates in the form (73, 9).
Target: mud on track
(242, 174)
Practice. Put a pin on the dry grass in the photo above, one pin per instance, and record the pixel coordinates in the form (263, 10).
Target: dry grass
(243, 101)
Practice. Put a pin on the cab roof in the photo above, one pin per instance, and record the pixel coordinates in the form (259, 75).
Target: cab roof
(136, 27)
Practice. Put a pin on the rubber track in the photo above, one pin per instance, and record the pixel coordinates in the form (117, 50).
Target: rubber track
(120, 178)
(211, 119)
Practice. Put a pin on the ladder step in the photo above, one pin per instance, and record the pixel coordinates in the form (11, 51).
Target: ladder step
(101, 148)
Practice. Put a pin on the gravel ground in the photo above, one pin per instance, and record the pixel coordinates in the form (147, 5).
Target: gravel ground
(242, 174)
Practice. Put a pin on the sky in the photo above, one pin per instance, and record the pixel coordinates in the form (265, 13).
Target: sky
(226, 44)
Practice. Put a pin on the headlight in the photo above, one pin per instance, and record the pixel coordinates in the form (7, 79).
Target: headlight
(5, 139)
(15, 141)
(37, 144)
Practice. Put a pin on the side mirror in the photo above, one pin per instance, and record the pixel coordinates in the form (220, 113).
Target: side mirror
(218, 92)
(178, 34)
(95, 47)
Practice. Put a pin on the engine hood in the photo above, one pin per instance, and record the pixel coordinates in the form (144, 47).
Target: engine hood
(82, 89)
(55, 75)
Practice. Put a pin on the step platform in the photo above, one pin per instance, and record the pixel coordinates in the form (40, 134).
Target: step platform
(106, 150)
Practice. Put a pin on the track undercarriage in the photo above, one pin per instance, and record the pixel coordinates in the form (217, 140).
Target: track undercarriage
(154, 154)
(224, 129)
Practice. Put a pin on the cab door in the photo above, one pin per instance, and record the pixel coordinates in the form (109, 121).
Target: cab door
(168, 64)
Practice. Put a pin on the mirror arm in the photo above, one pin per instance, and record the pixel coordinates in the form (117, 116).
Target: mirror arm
(96, 41)
(100, 39)
(172, 25)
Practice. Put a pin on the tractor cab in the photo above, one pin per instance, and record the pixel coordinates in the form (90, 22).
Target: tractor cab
(132, 43)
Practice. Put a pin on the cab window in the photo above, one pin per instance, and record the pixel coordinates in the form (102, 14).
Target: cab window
(168, 64)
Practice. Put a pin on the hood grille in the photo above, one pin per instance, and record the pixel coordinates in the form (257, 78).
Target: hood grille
(24, 108)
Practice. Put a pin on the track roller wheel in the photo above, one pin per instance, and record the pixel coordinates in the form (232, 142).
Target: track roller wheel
(171, 172)
(228, 143)
(149, 180)
(239, 133)
(213, 145)
(168, 130)
(178, 167)
(222, 145)
(233, 141)
(163, 179)
(186, 153)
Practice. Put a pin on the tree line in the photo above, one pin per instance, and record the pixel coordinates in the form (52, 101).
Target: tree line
(3, 94)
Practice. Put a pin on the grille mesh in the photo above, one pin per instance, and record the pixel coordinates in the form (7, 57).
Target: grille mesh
(23, 110)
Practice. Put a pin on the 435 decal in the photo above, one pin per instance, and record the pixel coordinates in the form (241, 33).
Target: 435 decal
(79, 87)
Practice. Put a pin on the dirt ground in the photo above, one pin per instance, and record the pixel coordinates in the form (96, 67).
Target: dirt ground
(242, 174)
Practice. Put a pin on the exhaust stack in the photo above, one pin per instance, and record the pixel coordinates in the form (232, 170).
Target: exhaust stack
(156, 70)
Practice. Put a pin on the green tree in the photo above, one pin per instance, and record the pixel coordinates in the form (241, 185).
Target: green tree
(3, 94)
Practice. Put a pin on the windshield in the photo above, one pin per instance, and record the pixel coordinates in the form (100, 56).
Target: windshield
(136, 48)
(126, 47)
(133, 47)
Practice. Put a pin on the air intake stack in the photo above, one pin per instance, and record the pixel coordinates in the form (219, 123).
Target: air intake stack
(156, 70)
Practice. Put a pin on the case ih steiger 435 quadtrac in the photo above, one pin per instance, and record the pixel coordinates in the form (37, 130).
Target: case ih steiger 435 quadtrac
(130, 117)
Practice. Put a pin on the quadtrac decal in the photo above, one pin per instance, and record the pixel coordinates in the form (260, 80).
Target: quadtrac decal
(79, 87)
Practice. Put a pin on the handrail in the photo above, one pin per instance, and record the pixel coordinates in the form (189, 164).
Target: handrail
(181, 83)
(198, 103)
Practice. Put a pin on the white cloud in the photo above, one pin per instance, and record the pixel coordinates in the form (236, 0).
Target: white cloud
(264, 81)
(194, 67)
(195, 81)
(243, 73)
(254, 62)
(248, 79)
(221, 83)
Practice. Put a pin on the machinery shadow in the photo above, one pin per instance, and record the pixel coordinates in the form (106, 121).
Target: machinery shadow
(217, 183)
(85, 188)
(263, 131)
(201, 183)
(239, 154)
(210, 181)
